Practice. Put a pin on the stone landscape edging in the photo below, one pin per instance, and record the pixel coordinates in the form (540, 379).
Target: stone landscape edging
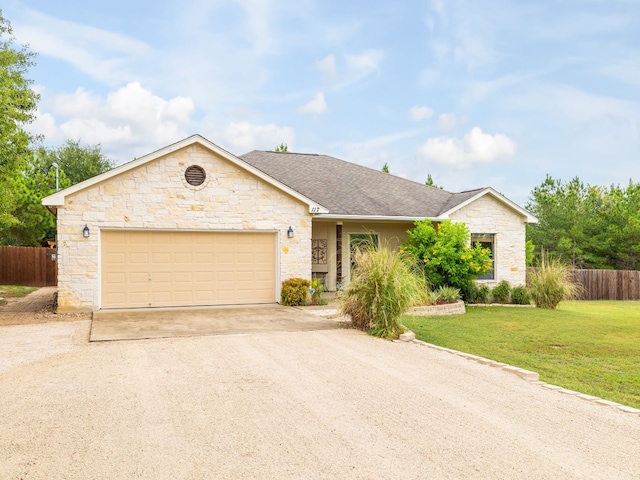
(456, 308)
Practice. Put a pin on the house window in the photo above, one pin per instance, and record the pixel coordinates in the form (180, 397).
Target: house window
(486, 240)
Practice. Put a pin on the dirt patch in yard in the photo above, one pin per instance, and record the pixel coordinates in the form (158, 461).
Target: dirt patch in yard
(35, 308)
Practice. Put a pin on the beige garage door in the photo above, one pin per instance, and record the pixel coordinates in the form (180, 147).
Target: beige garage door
(161, 269)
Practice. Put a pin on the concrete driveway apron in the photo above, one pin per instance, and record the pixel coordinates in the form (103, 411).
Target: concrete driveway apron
(140, 323)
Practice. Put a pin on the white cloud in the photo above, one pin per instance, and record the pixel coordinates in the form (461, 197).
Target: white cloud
(420, 113)
(363, 65)
(367, 61)
(244, 136)
(356, 68)
(437, 6)
(462, 34)
(473, 48)
(383, 140)
(317, 105)
(258, 24)
(374, 152)
(447, 121)
(475, 147)
(130, 118)
(44, 124)
(99, 53)
(327, 66)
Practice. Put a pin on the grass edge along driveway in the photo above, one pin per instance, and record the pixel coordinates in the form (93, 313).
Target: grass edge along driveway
(592, 347)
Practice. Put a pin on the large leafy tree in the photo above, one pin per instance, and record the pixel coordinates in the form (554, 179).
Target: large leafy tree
(33, 222)
(18, 104)
(78, 162)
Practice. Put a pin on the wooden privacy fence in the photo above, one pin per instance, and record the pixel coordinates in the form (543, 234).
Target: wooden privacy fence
(608, 284)
(29, 266)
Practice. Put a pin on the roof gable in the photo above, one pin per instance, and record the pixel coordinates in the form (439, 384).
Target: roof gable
(58, 199)
(465, 198)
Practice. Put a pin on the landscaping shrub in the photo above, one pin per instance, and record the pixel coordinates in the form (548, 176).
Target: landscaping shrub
(551, 282)
(470, 292)
(383, 285)
(445, 254)
(295, 291)
(449, 294)
(484, 294)
(520, 295)
(501, 293)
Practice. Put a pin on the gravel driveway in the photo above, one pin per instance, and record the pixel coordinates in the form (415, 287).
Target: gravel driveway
(322, 404)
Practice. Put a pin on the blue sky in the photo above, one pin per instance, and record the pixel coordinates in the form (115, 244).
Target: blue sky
(475, 93)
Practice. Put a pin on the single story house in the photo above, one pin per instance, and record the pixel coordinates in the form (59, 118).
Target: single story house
(192, 224)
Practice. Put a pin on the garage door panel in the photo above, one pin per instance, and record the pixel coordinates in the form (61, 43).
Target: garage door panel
(138, 257)
(153, 268)
(116, 298)
(138, 298)
(184, 297)
(117, 277)
(183, 277)
(204, 257)
(137, 277)
(184, 257)
(204, 277)
(116, 257)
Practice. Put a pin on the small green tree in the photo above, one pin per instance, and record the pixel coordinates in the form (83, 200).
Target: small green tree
(282, 148)
(431, 183)
(446, 255)
(385, 168)
(530, 251)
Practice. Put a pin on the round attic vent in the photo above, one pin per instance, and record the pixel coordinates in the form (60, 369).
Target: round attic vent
(195, 175)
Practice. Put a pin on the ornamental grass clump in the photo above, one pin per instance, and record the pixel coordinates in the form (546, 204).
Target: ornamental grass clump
(551, 282)
(383, 285)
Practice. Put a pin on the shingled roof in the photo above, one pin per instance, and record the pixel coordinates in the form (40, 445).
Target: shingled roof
(348, 189)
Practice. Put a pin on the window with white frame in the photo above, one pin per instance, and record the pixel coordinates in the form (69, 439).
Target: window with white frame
(486, 240)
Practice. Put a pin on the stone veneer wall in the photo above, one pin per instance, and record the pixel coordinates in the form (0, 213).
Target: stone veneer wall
(156, 196)
(488, 215)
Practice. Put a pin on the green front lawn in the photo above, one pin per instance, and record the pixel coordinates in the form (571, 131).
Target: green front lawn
(590, 347)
